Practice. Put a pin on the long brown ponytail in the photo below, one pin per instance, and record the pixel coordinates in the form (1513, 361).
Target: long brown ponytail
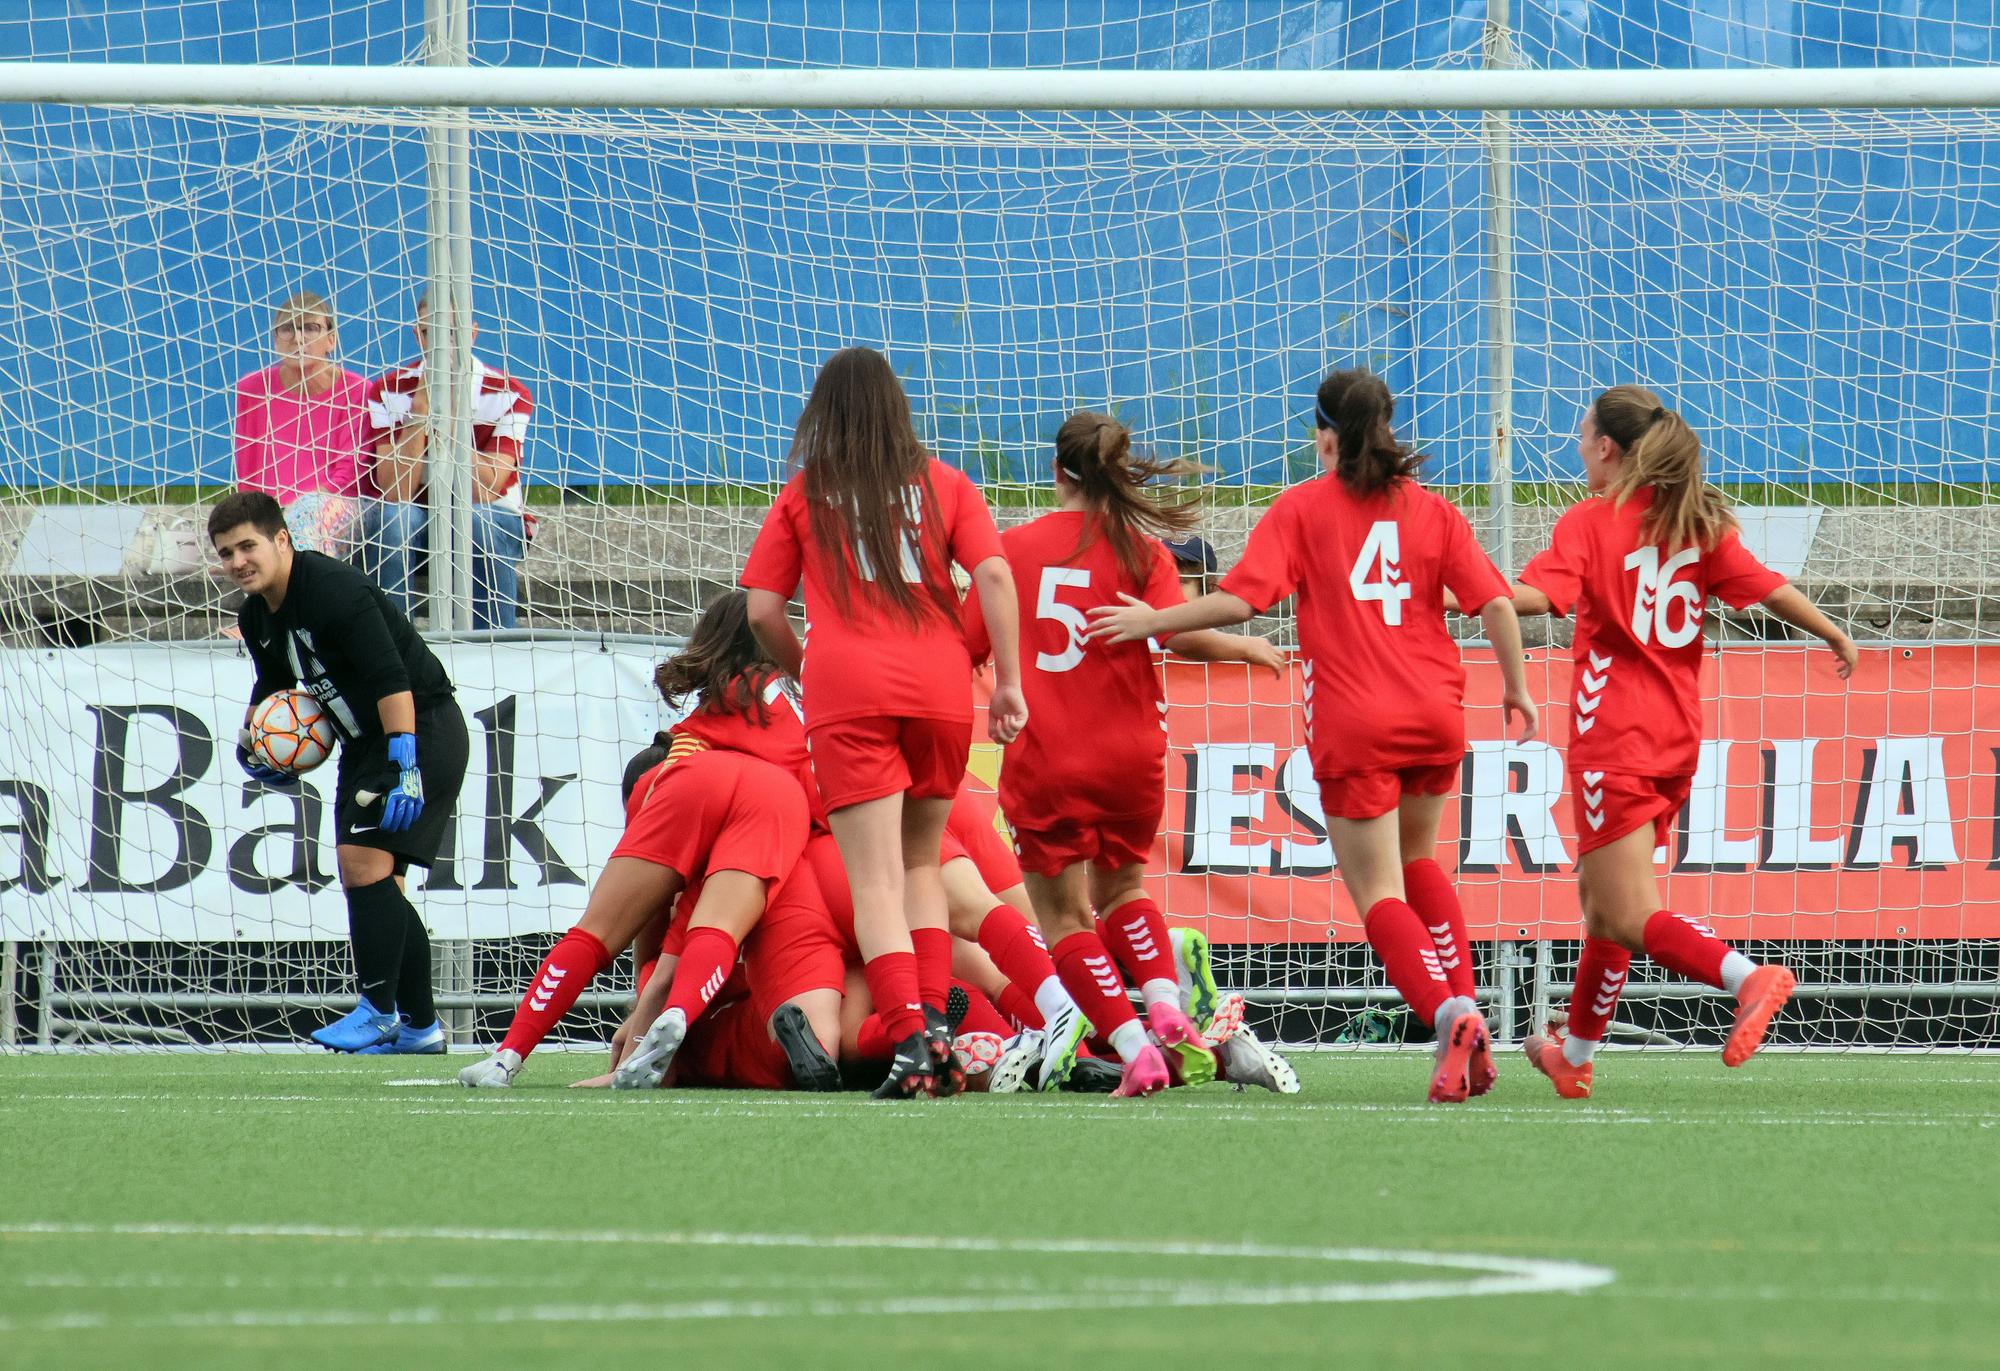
(1663, 453)
(722, 663)
(1095, 451)
(1357, 406)
(861, 460)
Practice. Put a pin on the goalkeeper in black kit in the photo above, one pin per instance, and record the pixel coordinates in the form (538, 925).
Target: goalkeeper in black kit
(316, 623)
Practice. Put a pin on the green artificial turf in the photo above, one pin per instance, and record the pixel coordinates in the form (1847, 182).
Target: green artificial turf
(232, 1211)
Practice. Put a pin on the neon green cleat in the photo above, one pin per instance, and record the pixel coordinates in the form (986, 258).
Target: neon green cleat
(1062, 1039)
(1192, 967)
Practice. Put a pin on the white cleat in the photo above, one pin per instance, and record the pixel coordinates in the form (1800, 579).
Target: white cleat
(1063, 1037)
(646, 1066)
(497, 1072)
(1021, 1054)
(1246, 1060)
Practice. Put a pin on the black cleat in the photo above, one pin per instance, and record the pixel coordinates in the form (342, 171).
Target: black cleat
(910, 1071)
(812, 1068)
(1092, 1076)
(957, 1005)
(947, 1067)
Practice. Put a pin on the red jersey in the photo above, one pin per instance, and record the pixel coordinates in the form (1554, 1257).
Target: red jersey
(1636, 657)
(870, 662)
(780, 739)
(1370, 576)
(1096, 742)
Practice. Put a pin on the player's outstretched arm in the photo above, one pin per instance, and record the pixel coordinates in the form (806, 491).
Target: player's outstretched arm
(1503, 630)
(1135, 620)
(772, 628)
(1787, 602)
(1007, 711)
(1208, 645)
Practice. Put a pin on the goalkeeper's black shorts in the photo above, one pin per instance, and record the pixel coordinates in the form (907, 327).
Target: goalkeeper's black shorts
(442, 752)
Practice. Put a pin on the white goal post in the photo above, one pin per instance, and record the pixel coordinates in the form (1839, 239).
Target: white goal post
(1190, 247)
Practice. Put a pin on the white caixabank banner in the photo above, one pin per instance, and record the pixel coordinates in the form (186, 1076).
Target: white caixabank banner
(124, 816)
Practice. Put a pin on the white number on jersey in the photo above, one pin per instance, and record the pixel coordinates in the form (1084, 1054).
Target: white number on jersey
(1047, 606)
(1383, 552)
(1652, 602)
(913, 556)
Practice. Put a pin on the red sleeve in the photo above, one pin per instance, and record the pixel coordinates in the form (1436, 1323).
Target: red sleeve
(776, 559)
(973, 538)
(1736, 577)
(972, 622)
(1163, 583)
(1557, 570)
(1468, 571)
(376, 426)
(1266, 574)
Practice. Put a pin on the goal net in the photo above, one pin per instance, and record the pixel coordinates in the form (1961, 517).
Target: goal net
(1815, 290)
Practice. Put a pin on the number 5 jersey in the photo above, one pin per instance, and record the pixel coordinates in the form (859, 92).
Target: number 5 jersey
(1384, 682)
(1635, 687)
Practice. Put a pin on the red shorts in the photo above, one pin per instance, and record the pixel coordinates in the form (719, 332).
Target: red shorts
(1371, 794)
(969, 832)
(857, 760)
(795, 947)
(716, 811)
(730, 1048)
(830, 876)
(1111, 843)
(1609, 805)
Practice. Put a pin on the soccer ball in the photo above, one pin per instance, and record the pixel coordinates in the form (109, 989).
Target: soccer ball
(979, 1051)
(290, 731)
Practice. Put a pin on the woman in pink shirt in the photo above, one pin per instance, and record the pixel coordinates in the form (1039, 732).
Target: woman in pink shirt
(300, 424)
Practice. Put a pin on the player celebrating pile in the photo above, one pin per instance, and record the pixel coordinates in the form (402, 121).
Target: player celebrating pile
(1084, 786)
(1370, 554)
(316, 622)
(872, 523)
(1638, 562)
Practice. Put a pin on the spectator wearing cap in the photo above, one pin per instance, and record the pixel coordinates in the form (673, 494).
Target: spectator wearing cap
(396, 527)
(1194, 560)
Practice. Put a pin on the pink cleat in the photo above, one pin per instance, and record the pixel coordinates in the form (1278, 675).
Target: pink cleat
(1451, 1083)
(1146, 1074)
(1177, 1034)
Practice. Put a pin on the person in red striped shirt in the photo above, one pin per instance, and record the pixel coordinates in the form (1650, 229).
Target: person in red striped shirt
(872, 525)
(1637, 562)
(1084, 786)
(1371, 555)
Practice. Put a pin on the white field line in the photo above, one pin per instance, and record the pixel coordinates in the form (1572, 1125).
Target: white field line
(1470, 1274)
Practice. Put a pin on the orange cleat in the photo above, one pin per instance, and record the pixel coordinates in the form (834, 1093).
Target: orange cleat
(1546, 1052)
(1764, 993)
(1451, 1083)
(1480, 1071)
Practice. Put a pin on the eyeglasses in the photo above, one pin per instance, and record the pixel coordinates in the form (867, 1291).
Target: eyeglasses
(312, 328)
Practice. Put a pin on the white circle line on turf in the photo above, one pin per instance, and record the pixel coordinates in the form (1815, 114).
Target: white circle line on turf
(1476, 1274)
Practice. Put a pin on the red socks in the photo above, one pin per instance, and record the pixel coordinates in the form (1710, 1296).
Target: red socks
(1600, 975)
(892, 985)
(1009, 940)
(707, 958)
(933, 950)
(1432, 895)
(1091, 978)
(872, 1042)
(1138, 935)
(563, 975)
(1404, 946)
(1020, 1007)
(1687, 947)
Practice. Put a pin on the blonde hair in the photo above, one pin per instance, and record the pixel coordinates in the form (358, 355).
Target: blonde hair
(1661, 453)
(304, 304)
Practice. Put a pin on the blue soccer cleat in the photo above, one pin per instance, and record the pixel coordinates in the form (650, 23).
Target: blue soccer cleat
(364, 1026)
(410, 1041)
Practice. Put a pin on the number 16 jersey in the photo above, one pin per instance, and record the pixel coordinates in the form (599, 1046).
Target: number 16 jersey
(1384, 682)
(1635, 699)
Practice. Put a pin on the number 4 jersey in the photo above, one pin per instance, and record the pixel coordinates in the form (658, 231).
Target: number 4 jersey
(1635, 687)
(1385, 686)
(1095, 746)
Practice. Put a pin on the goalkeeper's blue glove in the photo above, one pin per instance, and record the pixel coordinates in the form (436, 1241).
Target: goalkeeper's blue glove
(405, 800)
(254, 768)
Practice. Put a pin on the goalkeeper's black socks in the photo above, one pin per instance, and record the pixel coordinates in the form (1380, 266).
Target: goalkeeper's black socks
(413, 986)
(378, 923)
